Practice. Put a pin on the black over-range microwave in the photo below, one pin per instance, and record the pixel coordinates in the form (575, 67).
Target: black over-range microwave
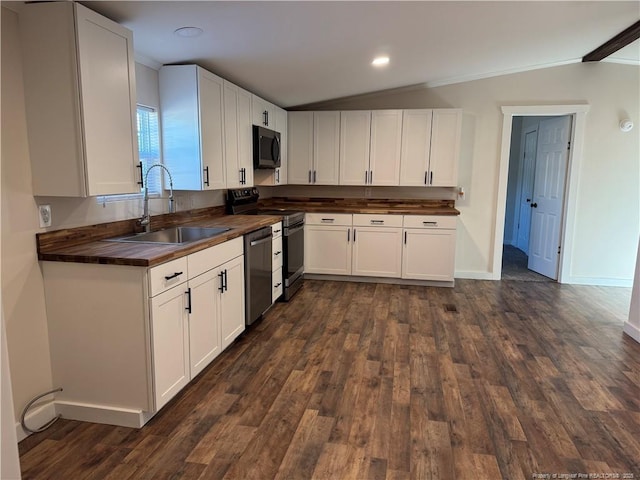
(266, 148)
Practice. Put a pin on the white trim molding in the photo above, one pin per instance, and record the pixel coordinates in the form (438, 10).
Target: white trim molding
(578, 112)
(632, 331)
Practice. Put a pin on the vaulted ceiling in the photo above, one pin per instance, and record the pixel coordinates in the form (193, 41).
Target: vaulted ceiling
(295, 53)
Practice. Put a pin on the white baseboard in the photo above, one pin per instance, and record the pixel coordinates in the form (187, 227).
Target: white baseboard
(83, 412)
(599, 282)
(475, 275)
(632, 331)
(389, 280)
(36, 417)
(110, 415)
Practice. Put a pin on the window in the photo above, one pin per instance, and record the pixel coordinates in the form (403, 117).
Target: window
(149, 153)
(149, 146)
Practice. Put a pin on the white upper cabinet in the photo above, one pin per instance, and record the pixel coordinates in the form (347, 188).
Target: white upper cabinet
(430, 147)
(300, 147)
(314, 148)
(446, 131)
(416, 145)
(282, 119)
(237, 136)
(384, 159)
(264, 113)
(191, 101)
(355, 140)
(326, 148)
(80, 96)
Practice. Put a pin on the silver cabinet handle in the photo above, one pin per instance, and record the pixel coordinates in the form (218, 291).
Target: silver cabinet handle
(329, 220)
(430, 224)
(377, 222)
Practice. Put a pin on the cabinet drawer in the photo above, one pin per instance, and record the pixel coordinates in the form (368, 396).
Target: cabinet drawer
(328, 219)
(277, 284)
(430, 221)
(167, 275)
(277, 252)
(368, 220)
(211, 257)
(276, 230)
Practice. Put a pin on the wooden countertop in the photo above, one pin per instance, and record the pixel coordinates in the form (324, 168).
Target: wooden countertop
(90, 244)
(358, 205)
(143, 254)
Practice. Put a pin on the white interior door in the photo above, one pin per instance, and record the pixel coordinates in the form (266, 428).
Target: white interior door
(548, 195)
(526, 191)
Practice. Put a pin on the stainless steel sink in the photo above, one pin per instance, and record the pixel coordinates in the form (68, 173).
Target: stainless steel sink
(173, 236)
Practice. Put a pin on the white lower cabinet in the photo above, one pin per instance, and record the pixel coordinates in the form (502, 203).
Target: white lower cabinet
(377, 245)
(125, 340)
(277, 287)
(429, 247)
(170, 344)
(411, 247)
(327, 243)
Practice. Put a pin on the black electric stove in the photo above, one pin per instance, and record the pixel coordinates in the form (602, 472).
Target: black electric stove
(244, 201)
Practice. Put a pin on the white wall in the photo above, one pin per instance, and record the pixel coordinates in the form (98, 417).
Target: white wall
(22, 286)
(608, 219)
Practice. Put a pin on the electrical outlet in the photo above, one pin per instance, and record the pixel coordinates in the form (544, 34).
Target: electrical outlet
(44, 215)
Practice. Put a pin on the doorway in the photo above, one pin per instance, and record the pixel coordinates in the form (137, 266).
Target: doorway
(535, 197)
(565, 223)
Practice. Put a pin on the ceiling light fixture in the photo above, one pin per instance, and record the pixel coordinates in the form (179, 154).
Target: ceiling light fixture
(188, 32)
(380, 61)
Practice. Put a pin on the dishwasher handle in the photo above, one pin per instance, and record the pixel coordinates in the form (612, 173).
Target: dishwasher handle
(266, 239)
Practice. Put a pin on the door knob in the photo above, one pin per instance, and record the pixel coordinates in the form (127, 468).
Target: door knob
(534, 205)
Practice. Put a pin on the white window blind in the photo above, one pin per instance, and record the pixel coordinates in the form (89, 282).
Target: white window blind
(149, 153)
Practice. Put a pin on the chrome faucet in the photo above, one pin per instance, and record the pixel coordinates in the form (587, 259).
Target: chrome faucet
(145, 220)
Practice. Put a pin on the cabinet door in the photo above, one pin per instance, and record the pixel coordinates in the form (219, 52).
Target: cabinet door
(107, 83)
(245, 137)
(263, 113)
(445, 147)
(355, 137)
(210, 88)
(429, 254)
(232, 301)
(231, 135)
(170, 344)
(377, 251)
(386, 135)
(326, 148)
(204, 321)
(281, 126)
(327, 249)
(300, 148)
(416, 145)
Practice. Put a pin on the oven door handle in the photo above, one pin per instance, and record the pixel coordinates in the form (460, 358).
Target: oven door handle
(290, 231)
(262, 240)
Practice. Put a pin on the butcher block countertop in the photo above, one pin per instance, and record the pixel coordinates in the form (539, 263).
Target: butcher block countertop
(359, 205)
(90, 245)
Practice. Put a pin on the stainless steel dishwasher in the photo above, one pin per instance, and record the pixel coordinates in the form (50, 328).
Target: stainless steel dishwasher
(257, 273)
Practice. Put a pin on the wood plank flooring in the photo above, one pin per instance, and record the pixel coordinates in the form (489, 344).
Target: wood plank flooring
(372, 381)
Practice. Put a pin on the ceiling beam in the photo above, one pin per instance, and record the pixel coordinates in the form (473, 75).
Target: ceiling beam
(621, 40)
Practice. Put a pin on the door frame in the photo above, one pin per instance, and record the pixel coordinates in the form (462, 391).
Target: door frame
(578, 114)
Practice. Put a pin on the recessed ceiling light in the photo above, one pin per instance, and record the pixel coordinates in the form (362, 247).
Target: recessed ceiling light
(188, 32)
(380, 61)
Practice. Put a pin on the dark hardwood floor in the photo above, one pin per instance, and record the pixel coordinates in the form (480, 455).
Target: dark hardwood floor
(487, 380)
